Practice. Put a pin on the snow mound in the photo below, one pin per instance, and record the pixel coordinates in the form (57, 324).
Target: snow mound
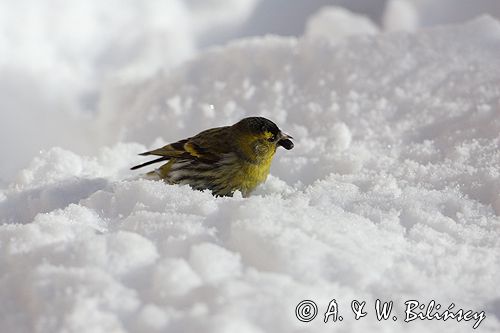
(401, 15)
(337, 23)
(392, 192)
(54, 68)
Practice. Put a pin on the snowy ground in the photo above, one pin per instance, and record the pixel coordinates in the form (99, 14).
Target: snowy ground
(392, 192)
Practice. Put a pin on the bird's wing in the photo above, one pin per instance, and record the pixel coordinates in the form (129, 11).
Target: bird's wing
(207, 146)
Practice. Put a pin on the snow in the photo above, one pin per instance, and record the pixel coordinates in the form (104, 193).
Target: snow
(337, 23)
(401, 15)
(392, 192)
(55, 68)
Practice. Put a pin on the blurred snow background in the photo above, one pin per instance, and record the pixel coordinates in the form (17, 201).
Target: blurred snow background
(392, 191)
(58, 58)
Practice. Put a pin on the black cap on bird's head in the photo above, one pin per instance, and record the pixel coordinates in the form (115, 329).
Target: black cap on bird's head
(261, 125)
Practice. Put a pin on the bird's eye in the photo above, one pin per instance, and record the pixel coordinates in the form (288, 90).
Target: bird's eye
(271, 138)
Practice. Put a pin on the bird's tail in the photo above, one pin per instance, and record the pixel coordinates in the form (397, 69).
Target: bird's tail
(160, 173)
(163, 158)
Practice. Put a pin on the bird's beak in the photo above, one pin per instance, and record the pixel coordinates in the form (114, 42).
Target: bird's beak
(285, 141)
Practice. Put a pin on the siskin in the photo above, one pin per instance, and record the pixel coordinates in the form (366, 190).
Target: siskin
(223, 159)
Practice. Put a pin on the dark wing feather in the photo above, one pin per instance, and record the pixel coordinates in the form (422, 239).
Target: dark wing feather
(148, 163)
(207, 146)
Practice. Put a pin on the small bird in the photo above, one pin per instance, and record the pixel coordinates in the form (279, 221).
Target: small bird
(222, 159)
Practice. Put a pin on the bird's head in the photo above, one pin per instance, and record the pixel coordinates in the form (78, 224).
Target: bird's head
(258, 137)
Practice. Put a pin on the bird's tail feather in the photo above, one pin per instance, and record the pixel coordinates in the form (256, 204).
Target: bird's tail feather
(163, 158)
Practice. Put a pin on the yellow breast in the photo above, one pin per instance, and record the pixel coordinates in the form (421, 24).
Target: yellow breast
(253, 174)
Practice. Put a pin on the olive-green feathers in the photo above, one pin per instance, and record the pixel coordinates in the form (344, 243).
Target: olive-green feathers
(222, 159)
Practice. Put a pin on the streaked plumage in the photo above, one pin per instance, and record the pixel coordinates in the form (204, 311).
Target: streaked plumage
(222, 159)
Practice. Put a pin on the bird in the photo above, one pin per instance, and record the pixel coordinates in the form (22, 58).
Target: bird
(222, 159)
